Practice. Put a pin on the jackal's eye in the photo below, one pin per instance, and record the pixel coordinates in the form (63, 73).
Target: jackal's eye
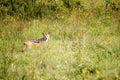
(47, 36)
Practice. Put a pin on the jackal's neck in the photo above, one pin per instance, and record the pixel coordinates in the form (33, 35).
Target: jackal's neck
(44, 39)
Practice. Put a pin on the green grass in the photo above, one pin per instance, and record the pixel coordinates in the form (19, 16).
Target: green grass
(78, 49)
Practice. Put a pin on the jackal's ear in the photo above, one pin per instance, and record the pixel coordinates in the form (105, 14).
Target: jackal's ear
(43, 33)
(48, 32)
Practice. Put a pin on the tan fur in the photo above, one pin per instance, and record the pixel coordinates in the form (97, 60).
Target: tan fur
(29, 43)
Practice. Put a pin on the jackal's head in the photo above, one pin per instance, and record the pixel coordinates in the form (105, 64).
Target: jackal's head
(46, 36)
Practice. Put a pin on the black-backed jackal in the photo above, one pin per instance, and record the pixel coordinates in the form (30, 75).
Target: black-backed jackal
(36, 42)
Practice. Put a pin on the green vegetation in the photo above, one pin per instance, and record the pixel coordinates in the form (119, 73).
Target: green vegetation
(84, 41)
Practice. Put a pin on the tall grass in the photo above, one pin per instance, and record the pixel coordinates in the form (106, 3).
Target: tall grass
(77, 49)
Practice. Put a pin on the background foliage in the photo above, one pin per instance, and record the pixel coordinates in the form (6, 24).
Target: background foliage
(56, 8)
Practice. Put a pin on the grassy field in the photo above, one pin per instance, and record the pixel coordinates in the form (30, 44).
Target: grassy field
(84, 44)
(78, 49)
